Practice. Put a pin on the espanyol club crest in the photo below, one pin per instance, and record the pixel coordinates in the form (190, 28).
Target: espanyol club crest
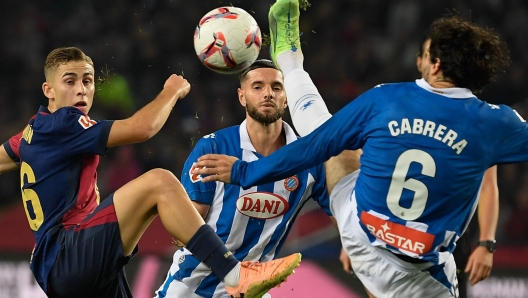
(262, 205)
(291, 183)
(194, 177)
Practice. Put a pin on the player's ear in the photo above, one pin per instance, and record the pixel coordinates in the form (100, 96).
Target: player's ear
(241, 97)
(48, 91)
(435, 66)
(286, 103)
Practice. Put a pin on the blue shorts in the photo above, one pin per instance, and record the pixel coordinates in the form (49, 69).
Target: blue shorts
(90, 261)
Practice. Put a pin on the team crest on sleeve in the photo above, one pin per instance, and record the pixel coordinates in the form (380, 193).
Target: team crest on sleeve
(194, 177)
(291, 183)
(262, 205)
(86, 122)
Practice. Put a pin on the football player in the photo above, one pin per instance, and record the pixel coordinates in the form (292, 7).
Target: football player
(426, 147)
(81, 245)
(254, 222)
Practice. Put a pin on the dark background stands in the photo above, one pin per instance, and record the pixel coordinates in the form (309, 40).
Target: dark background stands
(350, 47)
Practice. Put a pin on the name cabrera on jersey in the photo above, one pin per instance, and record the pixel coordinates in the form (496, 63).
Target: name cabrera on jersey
(254, 222)
(421, 169)
(421, 216)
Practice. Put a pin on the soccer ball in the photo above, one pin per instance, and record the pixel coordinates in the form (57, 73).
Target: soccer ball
(227, 40)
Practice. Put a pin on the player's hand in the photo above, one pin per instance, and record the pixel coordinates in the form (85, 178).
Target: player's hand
(178, 84)
(345, 260)
(215, 167)
(479, 265)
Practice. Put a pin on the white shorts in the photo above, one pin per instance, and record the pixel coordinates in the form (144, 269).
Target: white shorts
(380, 271)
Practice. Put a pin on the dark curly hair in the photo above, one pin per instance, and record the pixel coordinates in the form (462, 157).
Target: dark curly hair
(470, 56)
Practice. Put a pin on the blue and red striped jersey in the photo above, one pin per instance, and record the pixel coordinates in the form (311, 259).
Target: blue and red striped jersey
(58, 154)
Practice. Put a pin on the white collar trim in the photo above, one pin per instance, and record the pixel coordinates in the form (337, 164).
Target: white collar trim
(245, 141)
(447, 92)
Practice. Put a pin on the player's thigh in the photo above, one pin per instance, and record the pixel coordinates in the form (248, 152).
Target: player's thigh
(337, 167)
(136, 203)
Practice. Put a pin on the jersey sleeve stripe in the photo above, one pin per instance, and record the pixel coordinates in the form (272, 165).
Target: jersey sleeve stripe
(12, 150)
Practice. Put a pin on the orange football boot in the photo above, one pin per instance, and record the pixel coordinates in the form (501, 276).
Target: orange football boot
(256, 278)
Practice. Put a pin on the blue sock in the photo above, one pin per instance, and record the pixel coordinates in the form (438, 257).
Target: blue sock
(209, 248)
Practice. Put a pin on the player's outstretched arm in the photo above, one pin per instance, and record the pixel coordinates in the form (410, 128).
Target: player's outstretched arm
(6, 163)
(480, 261)
(341, 132)
(147, 122)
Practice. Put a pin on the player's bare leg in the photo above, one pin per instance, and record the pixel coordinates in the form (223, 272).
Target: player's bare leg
(159, 192)
(156, 192)
(338, 167)
(307, 108)
(369, 293)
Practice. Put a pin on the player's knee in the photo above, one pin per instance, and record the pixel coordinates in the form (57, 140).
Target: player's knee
(163, 181)
(159, 177)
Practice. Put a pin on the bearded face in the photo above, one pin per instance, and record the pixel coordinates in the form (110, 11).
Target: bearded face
(262, 94)
(271, 113)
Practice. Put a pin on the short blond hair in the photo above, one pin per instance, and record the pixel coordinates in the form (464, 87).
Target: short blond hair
(64, 55)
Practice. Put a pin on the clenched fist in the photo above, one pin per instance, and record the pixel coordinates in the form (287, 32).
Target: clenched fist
(178, 84)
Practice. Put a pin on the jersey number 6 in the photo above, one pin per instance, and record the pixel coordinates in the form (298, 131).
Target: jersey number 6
(398, 183)
(29, 196)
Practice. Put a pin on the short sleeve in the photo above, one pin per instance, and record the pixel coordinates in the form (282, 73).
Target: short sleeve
(75, 131)
(197, 190)
(12, 146)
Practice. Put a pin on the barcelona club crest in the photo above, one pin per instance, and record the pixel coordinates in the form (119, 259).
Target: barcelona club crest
(291, 183)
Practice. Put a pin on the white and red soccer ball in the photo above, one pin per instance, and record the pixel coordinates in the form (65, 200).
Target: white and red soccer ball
(227, 40)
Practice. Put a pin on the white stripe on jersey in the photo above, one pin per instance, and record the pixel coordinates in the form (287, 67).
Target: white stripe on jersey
(216, 208)
(249, 238)
(305, 197)
(238, 228)
(420, 226)
(269, 228)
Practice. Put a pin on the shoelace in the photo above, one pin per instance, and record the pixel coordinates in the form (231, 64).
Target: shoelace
(251, 265)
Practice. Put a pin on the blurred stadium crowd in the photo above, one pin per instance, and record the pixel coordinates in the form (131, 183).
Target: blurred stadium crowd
(350, 46)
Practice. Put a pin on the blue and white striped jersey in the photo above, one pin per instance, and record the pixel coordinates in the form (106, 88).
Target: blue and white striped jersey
(254, 222)
(425, 151)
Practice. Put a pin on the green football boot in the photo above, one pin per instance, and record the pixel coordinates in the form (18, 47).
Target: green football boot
(283, 20)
